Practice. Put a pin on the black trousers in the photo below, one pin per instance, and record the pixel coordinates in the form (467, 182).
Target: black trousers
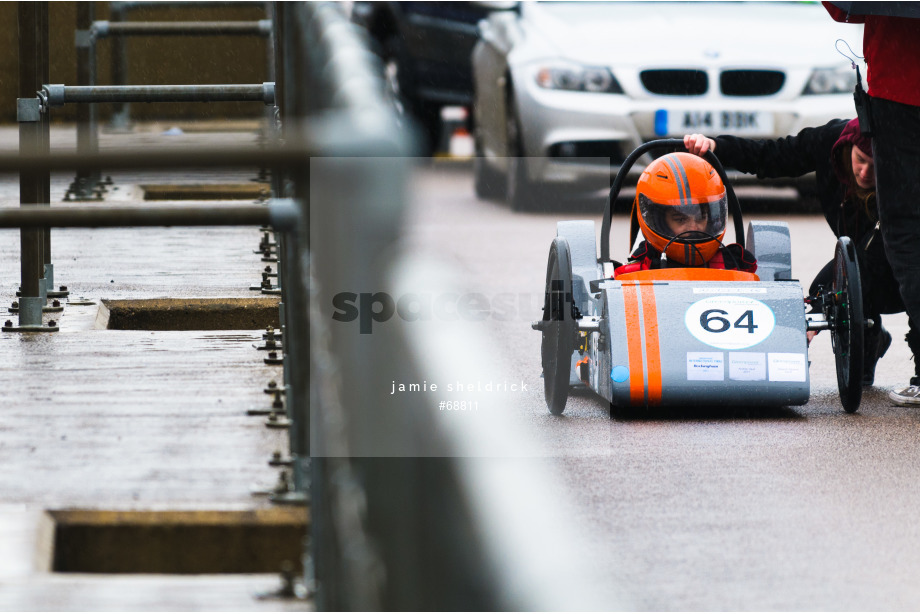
(896, 150)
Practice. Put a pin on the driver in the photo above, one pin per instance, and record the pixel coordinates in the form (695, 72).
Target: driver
(681, 206)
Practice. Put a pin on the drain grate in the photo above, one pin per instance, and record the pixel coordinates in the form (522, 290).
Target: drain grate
(224, 191)
(189, 314)
(178, 542)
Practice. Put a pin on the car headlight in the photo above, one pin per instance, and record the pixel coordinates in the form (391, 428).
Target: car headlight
(831, 81)
(578, 79)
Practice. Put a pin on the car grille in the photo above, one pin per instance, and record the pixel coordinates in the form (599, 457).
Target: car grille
(669, 82)
(678, 82)
(751, 82)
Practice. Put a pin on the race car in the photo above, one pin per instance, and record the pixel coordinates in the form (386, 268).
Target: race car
(692, 336)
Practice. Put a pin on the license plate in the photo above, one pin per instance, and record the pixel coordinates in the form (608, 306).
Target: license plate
(677, 123)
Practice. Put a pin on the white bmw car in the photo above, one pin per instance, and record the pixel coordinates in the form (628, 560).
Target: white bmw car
(564, 91)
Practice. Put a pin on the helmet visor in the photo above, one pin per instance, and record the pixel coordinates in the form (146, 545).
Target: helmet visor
(687, 223)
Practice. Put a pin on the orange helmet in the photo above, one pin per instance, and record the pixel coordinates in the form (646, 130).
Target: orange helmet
(682, 206)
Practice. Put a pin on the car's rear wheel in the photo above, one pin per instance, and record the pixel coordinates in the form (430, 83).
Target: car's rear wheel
(847, 324)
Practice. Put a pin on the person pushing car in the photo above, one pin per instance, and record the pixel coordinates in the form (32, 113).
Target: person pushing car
(841, 158)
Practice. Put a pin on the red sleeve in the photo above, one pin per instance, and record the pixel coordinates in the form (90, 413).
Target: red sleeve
(838, 14)
(638, 261)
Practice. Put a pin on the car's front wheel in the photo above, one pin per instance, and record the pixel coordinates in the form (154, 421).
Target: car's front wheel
(520, 192)
(488, 182)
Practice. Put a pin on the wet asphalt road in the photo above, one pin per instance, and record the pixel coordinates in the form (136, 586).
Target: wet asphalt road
(802, 508)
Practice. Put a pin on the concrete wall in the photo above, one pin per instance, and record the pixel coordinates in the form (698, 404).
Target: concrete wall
(151, 60)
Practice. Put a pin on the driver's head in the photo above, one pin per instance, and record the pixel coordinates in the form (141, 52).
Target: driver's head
(680, 222)
(682, 206)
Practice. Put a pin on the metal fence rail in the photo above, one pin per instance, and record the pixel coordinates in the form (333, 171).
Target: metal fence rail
(295, 152)
(58, 95)
(340, 185)
(279, 214)
(106, 29)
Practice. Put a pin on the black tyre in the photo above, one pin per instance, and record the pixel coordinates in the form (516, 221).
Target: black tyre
(847, 324)
(520, 192)
(400, 92)
(560, 328)
(488, 183)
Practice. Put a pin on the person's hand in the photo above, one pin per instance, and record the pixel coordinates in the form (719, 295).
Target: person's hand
(698, 144)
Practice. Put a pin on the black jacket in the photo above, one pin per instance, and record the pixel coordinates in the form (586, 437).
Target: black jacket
(794, 156)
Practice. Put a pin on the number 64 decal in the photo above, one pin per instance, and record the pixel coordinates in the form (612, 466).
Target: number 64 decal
(730, 322)
(708, 318)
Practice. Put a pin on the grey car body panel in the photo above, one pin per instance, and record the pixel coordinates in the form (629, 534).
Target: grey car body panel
(771, 244)
(759, 374)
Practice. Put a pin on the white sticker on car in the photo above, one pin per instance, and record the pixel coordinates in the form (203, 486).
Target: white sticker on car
(787, 367)
(747, 366)
(730, 322)
(707, 366)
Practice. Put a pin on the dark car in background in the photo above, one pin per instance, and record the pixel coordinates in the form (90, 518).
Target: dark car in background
(426, 48)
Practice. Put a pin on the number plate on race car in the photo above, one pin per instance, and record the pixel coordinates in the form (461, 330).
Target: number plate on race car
(675, 122)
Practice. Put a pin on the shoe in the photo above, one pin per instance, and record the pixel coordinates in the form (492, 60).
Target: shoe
(882, 344)
(908, 396)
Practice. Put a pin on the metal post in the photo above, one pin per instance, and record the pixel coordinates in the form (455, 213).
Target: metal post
(84, 183)
(295, 331)
(268, 127)
(293, 273)
(121, 111)
(270, 47)
(93, 115)
(31, 141)
(44, 75)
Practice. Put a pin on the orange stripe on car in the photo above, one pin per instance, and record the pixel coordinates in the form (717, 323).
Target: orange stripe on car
(687, 274)
(634, 344)
(652, 344)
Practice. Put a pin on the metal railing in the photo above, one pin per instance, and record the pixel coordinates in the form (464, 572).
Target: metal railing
(33, 114)
(105, 29)
(57, 95)
(340, 169)
(90, 185)
(119, 13)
